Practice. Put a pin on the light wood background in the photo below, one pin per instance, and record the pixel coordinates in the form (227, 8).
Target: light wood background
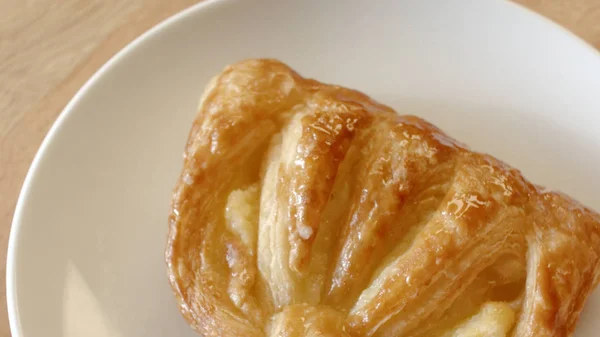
(49, 48)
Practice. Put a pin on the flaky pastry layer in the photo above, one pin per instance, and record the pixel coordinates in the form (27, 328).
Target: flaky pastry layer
(307, 209)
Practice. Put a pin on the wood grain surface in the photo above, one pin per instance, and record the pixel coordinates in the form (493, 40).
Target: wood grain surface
(49, 48)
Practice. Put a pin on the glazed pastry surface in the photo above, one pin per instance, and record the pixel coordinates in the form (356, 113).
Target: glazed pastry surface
(307, 209)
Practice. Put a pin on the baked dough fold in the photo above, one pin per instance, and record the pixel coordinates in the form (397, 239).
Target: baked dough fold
(307, 209)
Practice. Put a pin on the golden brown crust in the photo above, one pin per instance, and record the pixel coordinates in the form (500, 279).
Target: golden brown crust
(306, 209)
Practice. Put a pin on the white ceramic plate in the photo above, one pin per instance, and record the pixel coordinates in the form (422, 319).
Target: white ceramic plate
(86, 249)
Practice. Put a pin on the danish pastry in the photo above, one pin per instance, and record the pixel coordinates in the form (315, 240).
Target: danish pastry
(307, 209)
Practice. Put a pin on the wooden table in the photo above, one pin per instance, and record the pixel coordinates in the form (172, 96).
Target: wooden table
(49, 48)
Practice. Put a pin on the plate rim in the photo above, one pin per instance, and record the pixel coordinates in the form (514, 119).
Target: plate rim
(29, 183)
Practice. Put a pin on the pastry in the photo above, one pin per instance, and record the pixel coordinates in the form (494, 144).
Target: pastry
(307, 209)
